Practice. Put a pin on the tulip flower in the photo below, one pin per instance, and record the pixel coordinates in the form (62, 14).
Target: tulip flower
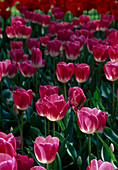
(7, 144)
(92, 42)
(16, 55)
(16, 44)
(24, 162)
(71, 50)
(76, 22)
(22, 98)
(37, 168)
(32, 43)
(52, 29)
(82, 72)
(12, 70)
(64, 35)
(76, 96)
(113, 53)
(113, 38)
(7, 162)
(5, 65)
(44, 40)
(22, 31)
(10, 32)
(99, 165)
(64, 71)
(45, 20)
(84, 32)
(84, 18)
(45, 149)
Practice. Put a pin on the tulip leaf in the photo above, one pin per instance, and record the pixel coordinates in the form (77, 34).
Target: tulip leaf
(71, 151)
(56, 164)
(61, 125)
(105, 154)
(107, 148)
(111, 136)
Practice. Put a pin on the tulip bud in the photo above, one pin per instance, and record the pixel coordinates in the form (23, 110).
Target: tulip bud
(111, 147)
(79, 161)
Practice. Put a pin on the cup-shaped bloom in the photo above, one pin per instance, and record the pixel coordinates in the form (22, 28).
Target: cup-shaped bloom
(24, 162)
(82, 72)
(76, 96)
(52, 29)
(36, 58)
(54, 47)
(111, 71)
(84, 32)
(113, 38)
(7, 162)
(32, 43)
(91, 120)
(109, 31)
(84, 18)
(76, 22)
(81, 40)
(72, 50)
(26, 68)
(10, 32)
(12, 70)
(40, 107)
(64, 71)
(100, 52)
(47, 90)
(59, 15)
(113, 53)
(37, 168)
(22, 31)
(99, 165)
(16, 44)
(7, 144)
(92, 42)
(16, 55)
(22, 98)
(45, 20)
(45, 149)
(5, 65)
(44, 40)
(64, 35)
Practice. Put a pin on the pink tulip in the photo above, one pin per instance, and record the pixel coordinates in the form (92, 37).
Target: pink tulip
(92, 42)
(76, 96)
(113, 38)
(44, 40)
(84, 18)
(91, 120)
(24, 162)
(12, 70)
(1, 36)
(5, 65)
(71, 50)
(37, 168)
(22, 98)
(36, 58)
(36, 18)
(64, 35)
(26, 68)
(45, 20)
(52, 29)
(16, 44)
(64, 25)
(7, 144)
(7, 162)
(54, 47)
(82, 72)
(113, 53)
(100, 52)
(108, 31)
(16, 55)
(111, 71)
(40, 107)
(23, 31)
(10, 32)
(76, 22)
(18, 139)
(84, 32)
(28, 16)
(54, 107)
(58, 15)
(45, 149)
(99, 165)
(104, 24)
(47, 90)
(32, 43)
(64, 71)
(18, 18)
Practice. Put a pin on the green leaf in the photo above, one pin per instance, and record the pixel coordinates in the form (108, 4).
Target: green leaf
(107, 148)
(105, 154)
(61, 125)
(71, 151)
(34, 132)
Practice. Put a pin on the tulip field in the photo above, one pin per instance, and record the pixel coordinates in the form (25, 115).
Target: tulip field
(58, 85)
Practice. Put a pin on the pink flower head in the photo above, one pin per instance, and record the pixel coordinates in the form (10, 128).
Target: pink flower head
(71, 50)
(111, 71)
(45, 20)
(104, 24)
(44, 40)
(12, 70)
(23, 31)
(36, 58)
(5, 65)
(7, 162)
(18, 139)
(10, 32)
(64, 25)
(32, 43)
(37, 168)
(58, 15)
(76, 22)
(24, 162)
(47, 90)
(39, 107)
(7, 144)
(99, 165)
(22, 9)
(64, 35)
(22, 98)
(109, 31)
(84, 32)
(36, 18)
(52, 29)
(26, 68)
(84, 18)
(76, 96)
(113, 38)
(100, 52)
(64, 71)
(113, 53)
(16, 44)
(28, 15)
(45, 149)
(82, 72)
(54, 47)
(16, 55)
(91, 120)
(110, 18)
(18, 18)
(92, 42)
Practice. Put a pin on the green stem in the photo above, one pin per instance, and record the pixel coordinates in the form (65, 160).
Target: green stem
(89, 147)
(54, 69)
(21, 131)
(99, 80)
(92, 75)
(53, 128)
(65, 117)
(48, 127)
(45, 126)
(28, 82)
(36, 85)
(97, 148)
(113, 113)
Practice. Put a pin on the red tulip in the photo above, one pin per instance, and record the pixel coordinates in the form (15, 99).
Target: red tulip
(64, 71)
(99, 165)
(76, 22)
(52, 29)
(45, 20)
(54, 47)
(32, 43)
(44, 40)
(64, 25)
(100, 52)
(58, 15)
(26, 68)
(7, 144)
(54, 107)
(16, 44)
(16, 55)
(113, 53)
(109, 31)
(22, 98)
(111, 71)
(36, 58)
(18, 18)
(76, 96)
(22, 31)
(92, 42)
(10, 32)
(84, 32)
(71, 50)
(12, 70)
(84, 18)
(91, 120)
(24, 162)
(7, 162)
(47, 90)
(82, 72)
(5, 65)
(37, 168)
(45, 149)
(113, 38)
(64, 35)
